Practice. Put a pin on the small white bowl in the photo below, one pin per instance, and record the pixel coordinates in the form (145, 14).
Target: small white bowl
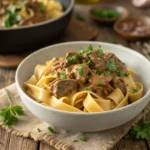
(85, 122)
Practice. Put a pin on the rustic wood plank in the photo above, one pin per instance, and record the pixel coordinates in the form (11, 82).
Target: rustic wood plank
(4, 139)
(20, 143)
(44, 146)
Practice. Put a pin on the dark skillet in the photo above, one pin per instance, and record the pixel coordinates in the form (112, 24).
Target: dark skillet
(26, 38)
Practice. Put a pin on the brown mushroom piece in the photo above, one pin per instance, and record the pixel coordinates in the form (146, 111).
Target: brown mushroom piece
(97, 61)
(118, 82)
(62, 88)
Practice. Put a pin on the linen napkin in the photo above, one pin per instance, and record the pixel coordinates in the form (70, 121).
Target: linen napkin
(61, 139)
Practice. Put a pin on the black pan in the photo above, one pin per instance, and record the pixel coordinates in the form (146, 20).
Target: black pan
(26, 38)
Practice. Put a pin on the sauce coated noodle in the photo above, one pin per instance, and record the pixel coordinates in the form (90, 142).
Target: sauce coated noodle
(45, 85)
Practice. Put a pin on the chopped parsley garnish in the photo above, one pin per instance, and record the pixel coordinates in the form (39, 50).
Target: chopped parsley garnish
(99, 51)
(135, 90)
(140, 131)
(12, 17)
(42, 7)
(88, 62)
(51, 129)
(120, 73)
(105, 73)
(83, 138)
(72, 59)
(75, 141)
(99, 83)
(45, 88)
(110, 65)
(9, 114)
(87, 51)
(38, 129)
(98, 72)
(80, 70)
(63, 76)
(126, 74)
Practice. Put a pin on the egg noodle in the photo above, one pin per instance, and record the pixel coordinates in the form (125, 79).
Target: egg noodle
(40, 85)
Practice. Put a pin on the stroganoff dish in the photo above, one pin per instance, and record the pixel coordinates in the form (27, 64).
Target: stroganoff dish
(85, 81)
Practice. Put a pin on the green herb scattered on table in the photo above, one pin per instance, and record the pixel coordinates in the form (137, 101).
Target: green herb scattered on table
(75, 141)
(83, 138)
(112, 41)
(38, 129)
(105, 13)
(9, 114)
(140, 131)
(51, 129)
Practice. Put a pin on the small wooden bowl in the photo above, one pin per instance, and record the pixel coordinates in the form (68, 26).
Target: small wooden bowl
(121, 10)
(129, 35)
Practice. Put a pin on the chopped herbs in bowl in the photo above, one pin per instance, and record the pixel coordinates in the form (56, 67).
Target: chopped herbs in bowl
(107, 13)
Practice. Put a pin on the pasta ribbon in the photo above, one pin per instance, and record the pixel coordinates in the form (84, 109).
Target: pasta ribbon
(45, 80)
(130, 83)
(57, 104)
(32, 80)
(91, 105)
(124, 101)
(136, 95)
(38, 94)
(39, 71)
(116, 96)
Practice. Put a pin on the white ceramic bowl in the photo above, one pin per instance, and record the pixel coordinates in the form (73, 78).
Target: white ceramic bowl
(87, 122)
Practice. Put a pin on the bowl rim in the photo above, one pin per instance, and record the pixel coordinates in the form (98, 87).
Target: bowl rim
(67, 11)
(21, 91)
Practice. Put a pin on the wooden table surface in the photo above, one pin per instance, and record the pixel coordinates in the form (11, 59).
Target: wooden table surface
(7, 76)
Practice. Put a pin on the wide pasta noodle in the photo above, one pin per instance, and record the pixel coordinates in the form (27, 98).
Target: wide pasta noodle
(43, 87)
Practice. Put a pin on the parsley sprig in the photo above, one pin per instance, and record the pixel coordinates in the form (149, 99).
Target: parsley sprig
(9, 114)
(140, 131)
(110, 65)
(80, 70)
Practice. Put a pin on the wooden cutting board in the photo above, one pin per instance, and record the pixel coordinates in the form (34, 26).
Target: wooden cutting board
(76, 31)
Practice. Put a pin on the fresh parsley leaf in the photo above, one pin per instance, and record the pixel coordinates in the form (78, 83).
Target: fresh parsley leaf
(83, 138)
(75, 141)
(110, 65)
(99, 51)
(126, 74)
(9, 114)
(140, 131)
(72, 59)
(63, 76)
(99, 83)
(38, 129)
(51, 129)
(80, 70)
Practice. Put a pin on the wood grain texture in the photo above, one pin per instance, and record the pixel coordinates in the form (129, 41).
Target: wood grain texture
(44, 146)
(106, 33)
